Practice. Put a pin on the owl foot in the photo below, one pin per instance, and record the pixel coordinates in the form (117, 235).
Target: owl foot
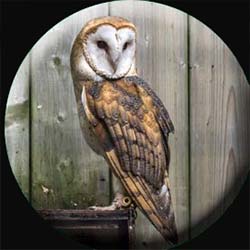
(120, 201)
(106, 208)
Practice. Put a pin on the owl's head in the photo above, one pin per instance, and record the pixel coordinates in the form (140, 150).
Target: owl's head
(104, 49)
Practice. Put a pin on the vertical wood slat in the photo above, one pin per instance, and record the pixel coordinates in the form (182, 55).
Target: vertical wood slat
(220, 101)
(66, 173)
(17, 126)
(162, 61)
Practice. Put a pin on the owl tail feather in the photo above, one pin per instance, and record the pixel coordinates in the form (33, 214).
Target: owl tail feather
(156, 206)
(166, 213)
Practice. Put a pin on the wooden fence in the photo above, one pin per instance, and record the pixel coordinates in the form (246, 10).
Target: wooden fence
(196, 76)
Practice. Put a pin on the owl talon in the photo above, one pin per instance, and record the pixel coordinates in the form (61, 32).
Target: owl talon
(120, 202)
(106, 208)
(92, 208)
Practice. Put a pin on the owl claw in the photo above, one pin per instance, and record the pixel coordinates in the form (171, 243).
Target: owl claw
(92, 208)
(107, 208)
(120, 201)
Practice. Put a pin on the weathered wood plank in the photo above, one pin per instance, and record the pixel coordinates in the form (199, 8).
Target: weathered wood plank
(220, 136)
(66, 173)
(17, 126)
(162, 62)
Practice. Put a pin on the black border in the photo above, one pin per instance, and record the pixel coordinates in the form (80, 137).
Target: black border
(22, 24)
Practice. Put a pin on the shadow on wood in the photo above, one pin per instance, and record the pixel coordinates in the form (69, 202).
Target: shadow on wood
(97, 229)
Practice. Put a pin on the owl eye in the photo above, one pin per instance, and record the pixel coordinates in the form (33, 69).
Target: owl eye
(102, 45)
(126, 45)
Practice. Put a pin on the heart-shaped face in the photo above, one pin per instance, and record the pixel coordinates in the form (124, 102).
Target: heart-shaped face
(104, 48)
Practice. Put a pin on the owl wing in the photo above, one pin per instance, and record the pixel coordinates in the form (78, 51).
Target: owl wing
(133, 126)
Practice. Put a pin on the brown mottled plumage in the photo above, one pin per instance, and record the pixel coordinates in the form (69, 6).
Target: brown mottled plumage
(128, 124)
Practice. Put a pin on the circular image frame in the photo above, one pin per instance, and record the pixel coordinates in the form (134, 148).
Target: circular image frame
(204, 132)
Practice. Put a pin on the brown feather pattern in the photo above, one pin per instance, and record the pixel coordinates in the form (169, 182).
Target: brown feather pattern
(133, 126)
(118, 103)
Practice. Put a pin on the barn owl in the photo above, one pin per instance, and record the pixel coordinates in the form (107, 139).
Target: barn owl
(122, 118)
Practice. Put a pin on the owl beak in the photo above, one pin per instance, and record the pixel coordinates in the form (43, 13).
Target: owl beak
(114, 59)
